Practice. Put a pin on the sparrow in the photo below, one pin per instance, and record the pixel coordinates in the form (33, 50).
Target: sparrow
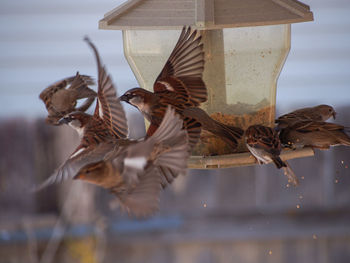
(132, 172)
(264, 144)
(180, 85)
(314, 134)
(107, 124)
(60, 101)
(318, 113)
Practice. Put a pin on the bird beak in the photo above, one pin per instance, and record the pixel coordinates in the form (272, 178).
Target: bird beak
(334, 114)
(78, 176)
(125, 98)
(64, 120)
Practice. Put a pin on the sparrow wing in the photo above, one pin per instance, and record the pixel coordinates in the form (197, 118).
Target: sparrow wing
(182, 73)
(171, 147)
(311, 126)
(192, 126)
(318, 113)
(47, 93)
(108, 106)
(142, 199)
(80, 86)
(333, 130)
(82, 156)
(167, 148)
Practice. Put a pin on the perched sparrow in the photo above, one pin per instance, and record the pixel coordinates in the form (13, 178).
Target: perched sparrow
(132, 172)
(180, 85)
(318, 113)
(264, 144)
(107, 124)
(320, 135)
(60, 101)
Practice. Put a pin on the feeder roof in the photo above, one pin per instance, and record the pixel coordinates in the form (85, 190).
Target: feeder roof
(204, 14)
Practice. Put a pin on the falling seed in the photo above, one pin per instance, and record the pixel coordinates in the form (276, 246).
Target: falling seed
(204, 205)
(342, 162)
(336, 181)
(314, 236)
(270, 252)
(301, 197)
(287, 185)
(298, 206)
(302, 178)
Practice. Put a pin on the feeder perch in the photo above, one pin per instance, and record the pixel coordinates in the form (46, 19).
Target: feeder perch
(246, 43)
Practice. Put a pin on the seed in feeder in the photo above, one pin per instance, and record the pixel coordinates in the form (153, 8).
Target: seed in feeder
(314, 236)
(270, 252)
(204, 205)
(245, 115)
(302, 178)
(301, 197)
(346, 167)
(336, 181)
(298, 206)
(342, 162)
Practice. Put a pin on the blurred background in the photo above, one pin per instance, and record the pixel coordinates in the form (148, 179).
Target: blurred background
(230, 215)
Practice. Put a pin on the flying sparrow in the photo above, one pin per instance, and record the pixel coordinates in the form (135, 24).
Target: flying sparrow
(320, 135)
(106, 125)
(265, 146)
(318, 113)
(180, 85)
(60, 101)
(132, 172)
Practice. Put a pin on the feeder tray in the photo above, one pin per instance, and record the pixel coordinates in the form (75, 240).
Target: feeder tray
(246, 43)
(241, 159)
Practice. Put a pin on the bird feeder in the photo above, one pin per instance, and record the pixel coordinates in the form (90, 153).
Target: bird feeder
(246, 43)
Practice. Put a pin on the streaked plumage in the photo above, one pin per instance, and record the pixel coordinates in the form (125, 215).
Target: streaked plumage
(318, 113)
(60, 101)
(180, 85)
(132, 172)
(263, 142)
(107, 124)
(320, 135)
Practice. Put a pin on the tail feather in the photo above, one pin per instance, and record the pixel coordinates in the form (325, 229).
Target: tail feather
(229, 133)
(194, 129)
(342, 137)
(169, 129)
(172, 160)
(168, 175)
(292, 178)
(278, 162)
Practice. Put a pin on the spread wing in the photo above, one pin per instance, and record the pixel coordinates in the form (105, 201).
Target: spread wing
(108, 106)
(47, 93)
(80, 86)
(142, 199)
(182, 73)
(82, 156)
